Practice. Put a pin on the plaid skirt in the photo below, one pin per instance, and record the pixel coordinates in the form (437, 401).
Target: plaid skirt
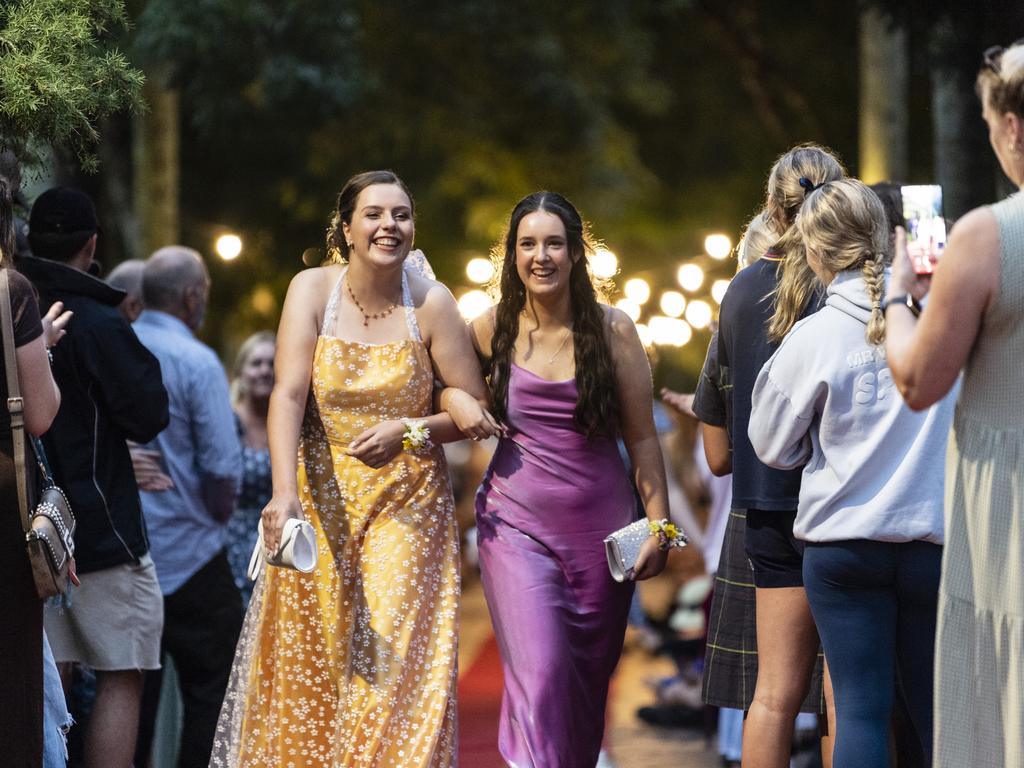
(730, 659)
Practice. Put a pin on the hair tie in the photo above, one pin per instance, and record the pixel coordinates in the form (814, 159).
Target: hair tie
(808, 185)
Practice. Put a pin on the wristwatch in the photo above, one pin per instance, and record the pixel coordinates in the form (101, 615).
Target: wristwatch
(906, 300)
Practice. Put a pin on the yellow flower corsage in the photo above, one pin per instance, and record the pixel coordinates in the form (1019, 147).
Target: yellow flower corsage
(668, 533)
(416, 436)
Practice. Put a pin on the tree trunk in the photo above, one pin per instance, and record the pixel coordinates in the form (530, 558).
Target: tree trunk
(156, 150)
(884, 90)
(963, 159)
(115, 203)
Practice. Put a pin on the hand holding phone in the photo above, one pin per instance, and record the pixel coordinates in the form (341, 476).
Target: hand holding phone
(926, 228)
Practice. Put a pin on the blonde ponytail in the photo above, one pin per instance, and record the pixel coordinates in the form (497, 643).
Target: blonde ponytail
(796, 285)
(794, 175)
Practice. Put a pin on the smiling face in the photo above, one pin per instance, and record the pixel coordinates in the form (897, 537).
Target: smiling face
(382, 230)
(257, 372)
(543, 259)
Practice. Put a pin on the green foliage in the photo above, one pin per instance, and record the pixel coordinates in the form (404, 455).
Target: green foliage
(59, 76)
(235, 60)
(658, 118)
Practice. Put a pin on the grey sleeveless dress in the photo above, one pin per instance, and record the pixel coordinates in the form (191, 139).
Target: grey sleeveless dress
(979, 706)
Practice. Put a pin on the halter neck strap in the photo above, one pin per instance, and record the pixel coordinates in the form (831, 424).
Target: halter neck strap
(332, 304)
(410, 313)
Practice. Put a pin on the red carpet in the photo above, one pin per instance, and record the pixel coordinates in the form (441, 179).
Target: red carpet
(479, 707)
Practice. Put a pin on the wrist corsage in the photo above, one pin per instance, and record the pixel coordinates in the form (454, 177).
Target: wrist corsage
(669, 535)
(416, 436)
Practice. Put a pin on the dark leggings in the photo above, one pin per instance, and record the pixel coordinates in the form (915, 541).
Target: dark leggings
(874, 603)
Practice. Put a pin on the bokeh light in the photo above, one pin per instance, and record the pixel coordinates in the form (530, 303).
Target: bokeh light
(479, 270)
(669, 331)
(228, 246)
(672, 303)
(630, 307)
(718, 289)
(644, 332)
(690, 277)
(699, 314)
(474, 303)
(263, 301)
(604, 264)
(637, 290)
(718, 246)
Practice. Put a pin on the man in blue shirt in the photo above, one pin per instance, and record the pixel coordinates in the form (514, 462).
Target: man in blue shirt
(201, 453)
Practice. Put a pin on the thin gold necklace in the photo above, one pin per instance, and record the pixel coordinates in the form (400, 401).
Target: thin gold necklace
(561, 346)
(367, 317)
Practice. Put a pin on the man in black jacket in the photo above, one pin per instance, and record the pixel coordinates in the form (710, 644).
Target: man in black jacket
(111, 392)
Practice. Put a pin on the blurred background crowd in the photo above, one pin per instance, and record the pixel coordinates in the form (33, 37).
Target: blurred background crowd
(228, 126)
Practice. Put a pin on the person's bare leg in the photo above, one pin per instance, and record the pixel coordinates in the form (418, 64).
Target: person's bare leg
(787, 647)
(66, 669)
(114, 723)
(827, 722)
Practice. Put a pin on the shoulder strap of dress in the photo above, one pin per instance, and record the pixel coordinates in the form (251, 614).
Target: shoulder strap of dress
(332, 304)
(410, 314)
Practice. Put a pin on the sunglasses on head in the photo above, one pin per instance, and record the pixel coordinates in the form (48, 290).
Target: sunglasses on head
(993, 56)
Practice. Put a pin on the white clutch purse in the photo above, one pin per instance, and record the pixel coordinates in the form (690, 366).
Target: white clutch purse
(297, 550)
(623, 547)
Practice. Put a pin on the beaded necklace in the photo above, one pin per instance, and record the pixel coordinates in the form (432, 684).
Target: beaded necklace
(367, 317)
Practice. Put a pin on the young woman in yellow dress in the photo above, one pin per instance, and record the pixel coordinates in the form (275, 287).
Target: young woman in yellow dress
(354, 664)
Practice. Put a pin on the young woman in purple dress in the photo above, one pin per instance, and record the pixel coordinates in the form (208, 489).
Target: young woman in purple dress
(567, 376)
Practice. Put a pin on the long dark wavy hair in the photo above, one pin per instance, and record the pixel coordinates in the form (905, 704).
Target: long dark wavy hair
(7, 239)
(598, 409)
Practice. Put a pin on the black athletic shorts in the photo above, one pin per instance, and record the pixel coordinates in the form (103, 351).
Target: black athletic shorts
(776, 557)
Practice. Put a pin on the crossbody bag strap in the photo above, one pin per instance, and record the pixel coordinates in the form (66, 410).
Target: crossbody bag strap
(15, 404)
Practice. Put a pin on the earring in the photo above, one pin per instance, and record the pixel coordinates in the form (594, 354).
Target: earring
(349, 243)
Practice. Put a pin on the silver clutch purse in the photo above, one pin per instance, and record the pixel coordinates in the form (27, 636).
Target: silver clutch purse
(623, 547)
(297, 550)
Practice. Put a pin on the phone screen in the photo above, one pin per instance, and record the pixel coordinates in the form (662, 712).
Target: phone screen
(926, 229)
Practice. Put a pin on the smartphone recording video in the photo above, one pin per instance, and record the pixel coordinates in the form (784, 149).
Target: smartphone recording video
(926, 229)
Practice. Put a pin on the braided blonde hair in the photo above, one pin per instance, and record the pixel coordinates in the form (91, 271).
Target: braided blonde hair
(794, 175)
(844, 225)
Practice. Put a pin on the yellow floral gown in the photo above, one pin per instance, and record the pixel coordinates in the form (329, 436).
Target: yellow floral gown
(355, 663)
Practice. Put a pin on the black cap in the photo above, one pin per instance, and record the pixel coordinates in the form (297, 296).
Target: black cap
(63, 211)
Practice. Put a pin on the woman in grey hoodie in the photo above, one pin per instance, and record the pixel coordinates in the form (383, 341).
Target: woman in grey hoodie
(871, 496)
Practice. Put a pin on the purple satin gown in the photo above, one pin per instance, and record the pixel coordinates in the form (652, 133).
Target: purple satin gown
(546, 504)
